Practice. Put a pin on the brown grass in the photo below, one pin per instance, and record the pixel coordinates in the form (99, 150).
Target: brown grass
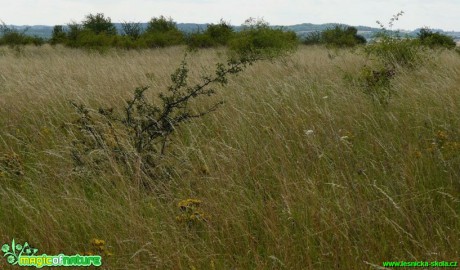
(368, 185)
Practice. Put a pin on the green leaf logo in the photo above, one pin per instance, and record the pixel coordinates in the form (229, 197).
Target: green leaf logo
(5, 248)
(14, 251)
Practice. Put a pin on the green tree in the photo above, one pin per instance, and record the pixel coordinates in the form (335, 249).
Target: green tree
(161, 32)
(12, 37)
(132, 30)
(313, 38)
(200, 40)
(428, 38)
(58, 35)
(73, 34)
(221, 33)
(342, 36)
(214, 35)
(99, 24)
(257, 38)
(161, 25)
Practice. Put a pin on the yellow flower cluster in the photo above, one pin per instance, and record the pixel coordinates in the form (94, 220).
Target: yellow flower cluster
(445, 144)
(98, 247)
(191, 211)
(189, 203)
(98, 244)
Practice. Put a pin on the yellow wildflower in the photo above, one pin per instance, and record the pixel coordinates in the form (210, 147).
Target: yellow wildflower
(191, 211)
(97, 242)
(184, 204)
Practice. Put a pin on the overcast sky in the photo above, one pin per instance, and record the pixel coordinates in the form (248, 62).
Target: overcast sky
(443, 14)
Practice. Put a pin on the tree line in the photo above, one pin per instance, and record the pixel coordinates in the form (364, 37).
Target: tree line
(96, 31)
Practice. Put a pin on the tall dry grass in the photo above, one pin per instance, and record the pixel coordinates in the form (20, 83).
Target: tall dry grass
(298, 170)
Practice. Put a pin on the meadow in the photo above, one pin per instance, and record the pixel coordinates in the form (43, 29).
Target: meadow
(298, 169)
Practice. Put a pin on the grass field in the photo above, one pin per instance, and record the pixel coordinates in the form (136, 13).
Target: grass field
(299, 169)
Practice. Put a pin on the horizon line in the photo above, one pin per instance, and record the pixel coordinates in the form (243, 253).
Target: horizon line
(399, 29)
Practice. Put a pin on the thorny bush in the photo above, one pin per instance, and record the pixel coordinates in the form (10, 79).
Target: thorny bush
(136, 136)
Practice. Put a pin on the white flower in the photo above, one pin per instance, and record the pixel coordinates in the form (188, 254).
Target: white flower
(308, 132)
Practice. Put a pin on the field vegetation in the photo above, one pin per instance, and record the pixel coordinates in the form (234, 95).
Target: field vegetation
(323, 158)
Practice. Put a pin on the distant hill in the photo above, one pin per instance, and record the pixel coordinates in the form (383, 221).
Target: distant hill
(303, 29)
